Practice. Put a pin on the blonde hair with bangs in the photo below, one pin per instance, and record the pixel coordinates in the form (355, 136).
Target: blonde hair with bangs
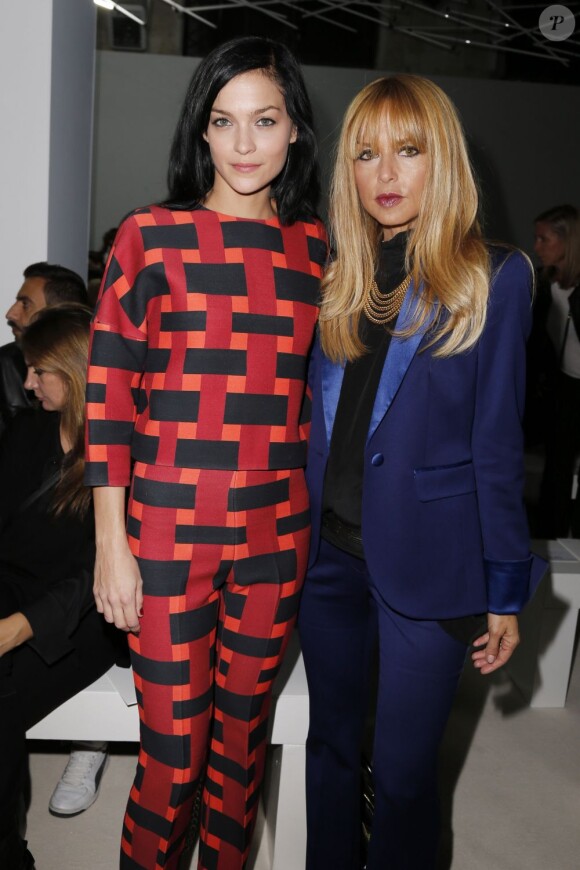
(445, 252)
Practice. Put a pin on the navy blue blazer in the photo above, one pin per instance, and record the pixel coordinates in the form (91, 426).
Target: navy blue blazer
(443, 523)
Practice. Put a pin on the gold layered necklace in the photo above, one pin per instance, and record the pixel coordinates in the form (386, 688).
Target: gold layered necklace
(383, 307)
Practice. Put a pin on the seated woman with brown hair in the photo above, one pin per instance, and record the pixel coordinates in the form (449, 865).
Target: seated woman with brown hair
(53, 643)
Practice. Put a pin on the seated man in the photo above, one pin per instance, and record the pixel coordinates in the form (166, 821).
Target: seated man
(44, 285)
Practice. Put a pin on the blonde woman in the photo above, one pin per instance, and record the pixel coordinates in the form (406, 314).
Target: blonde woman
(419, 537)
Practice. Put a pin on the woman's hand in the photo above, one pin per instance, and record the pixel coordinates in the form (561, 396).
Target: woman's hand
(501, 639)
(14, 630)
(118, 587)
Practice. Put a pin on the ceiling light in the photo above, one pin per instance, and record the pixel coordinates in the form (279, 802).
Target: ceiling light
(110, 4)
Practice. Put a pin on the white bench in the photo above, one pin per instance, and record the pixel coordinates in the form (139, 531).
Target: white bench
(541, 666)
(106, 710)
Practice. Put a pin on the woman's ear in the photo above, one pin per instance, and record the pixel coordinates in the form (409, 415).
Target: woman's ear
(204, 135)
(293, 134)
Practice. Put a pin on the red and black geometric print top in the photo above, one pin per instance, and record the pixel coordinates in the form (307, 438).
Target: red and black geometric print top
(199, 343)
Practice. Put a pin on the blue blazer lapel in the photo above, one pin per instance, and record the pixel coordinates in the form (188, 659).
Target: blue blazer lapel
(401, 352)
(331, 377)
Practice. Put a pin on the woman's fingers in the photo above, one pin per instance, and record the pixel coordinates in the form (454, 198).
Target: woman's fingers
(480, 641)
(121, 610)
(118, 591)
(497, 644)
(118, 584)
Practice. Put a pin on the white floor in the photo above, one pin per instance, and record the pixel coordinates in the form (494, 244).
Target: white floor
(514, 774)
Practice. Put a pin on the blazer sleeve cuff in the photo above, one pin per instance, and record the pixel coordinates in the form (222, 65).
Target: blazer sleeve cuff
(508, 584)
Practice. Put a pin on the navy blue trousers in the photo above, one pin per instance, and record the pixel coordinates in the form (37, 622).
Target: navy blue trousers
(341, 617)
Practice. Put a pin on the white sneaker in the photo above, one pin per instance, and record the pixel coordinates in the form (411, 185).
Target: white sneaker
(78, 787)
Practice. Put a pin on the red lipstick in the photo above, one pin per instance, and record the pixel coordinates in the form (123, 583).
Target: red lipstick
(388, 200)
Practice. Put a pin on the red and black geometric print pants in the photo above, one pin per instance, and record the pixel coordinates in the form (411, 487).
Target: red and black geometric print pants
(222, 555)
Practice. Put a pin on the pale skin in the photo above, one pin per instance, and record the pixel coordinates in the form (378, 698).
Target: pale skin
(118, 585)
(390, 184)
(249, 134)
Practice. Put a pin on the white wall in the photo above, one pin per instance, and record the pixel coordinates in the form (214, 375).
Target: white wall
(25, 57)
(46, 70)
(71, 133)
(137, 101)
(524, 137)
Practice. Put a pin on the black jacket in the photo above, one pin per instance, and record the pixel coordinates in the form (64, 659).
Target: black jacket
(13, 396)
(46, 562)
(543, 362)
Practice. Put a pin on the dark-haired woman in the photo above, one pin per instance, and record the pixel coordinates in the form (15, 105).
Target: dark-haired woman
(198, 361)
(52, 641)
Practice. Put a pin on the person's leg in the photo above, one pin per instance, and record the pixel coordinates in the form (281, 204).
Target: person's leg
(269, 511)
(337, 634)
(173, 683)
(29, 690)
(248, 659)
(12, 741)
(12, 767)
(172, 659)
(419, 668)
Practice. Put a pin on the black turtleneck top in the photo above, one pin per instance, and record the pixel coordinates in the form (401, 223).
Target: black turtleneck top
(342, 498)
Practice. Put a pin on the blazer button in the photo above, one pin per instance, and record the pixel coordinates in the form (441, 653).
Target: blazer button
(377, 459)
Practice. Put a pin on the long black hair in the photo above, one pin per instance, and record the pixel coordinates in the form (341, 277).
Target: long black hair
(191, 171)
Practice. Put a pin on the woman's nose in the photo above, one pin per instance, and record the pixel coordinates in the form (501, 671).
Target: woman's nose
(31, 381)
(387, 170)
(244, 143)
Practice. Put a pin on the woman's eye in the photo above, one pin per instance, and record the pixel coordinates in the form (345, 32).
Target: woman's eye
(221, 122)
(265, 122)
(408, 151)
(38, 372)
(366, 154)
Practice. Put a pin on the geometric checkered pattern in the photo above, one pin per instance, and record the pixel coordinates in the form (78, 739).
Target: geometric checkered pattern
(199, 343)
(222, 555)
(196, 372)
